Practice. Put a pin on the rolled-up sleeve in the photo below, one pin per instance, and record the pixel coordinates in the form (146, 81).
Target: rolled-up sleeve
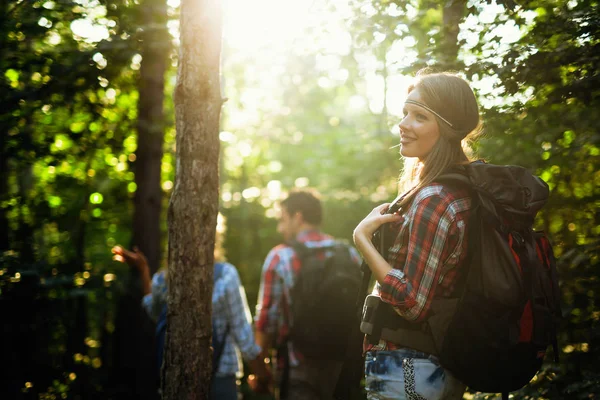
(154, 301)
(268, 307)
(409, 287)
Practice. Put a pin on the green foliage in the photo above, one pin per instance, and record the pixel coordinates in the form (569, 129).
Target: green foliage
(65, 129)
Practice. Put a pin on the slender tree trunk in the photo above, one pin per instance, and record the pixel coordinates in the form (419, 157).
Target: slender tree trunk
(194, 204)
(150, 127)
(453, 13)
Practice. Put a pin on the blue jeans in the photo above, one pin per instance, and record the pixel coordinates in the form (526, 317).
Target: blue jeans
(408, 374)
(223, 388)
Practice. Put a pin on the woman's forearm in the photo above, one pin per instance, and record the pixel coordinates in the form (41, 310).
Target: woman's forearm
(378, 265)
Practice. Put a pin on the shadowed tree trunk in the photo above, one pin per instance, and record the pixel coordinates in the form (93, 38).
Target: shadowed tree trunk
(134, 361)
(453, 13)
(4, 238)
(26, 228)
(194, 204)
(5, 125)
(150, 127)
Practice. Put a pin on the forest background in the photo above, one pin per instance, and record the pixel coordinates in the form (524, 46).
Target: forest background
(314, 91)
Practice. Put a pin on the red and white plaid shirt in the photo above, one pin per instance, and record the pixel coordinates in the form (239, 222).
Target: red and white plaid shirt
(427, 254)
(278, 276)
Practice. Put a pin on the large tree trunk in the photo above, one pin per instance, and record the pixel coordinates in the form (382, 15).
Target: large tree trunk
(194, 204)
(150, 128)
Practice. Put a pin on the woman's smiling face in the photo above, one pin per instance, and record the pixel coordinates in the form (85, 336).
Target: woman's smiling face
(419, 129)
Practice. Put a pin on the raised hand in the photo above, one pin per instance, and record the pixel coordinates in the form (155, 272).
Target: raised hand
(367, 227)
(134, 258)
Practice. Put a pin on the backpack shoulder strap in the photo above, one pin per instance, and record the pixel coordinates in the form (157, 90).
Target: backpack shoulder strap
(455, 176)
(302, 250)
(161, 324)
(299, 248)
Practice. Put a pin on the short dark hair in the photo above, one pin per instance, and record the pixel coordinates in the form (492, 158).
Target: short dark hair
(305, 201)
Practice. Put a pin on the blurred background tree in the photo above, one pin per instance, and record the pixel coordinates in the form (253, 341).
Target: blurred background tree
(315, 91)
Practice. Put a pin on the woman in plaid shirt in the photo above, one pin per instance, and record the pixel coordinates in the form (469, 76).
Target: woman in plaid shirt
(429, 245)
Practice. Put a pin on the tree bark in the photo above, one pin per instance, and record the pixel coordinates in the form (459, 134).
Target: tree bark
(150, 127)
(193, 207)
(453, 13)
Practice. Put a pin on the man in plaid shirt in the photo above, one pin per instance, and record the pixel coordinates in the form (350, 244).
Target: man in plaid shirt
(301, 215)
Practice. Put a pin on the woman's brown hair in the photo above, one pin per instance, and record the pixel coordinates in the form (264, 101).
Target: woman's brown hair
(451, 97)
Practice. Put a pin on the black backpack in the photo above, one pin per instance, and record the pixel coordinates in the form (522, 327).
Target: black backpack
(508, 312)
(323, 304)
(494, 335)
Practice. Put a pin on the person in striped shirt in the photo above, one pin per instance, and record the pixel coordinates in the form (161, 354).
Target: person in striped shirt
(231, 317)
(428, 248)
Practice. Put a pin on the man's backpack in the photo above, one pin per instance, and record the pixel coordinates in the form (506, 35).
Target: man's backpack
(218, 343)
(323, 300)
(494, 335)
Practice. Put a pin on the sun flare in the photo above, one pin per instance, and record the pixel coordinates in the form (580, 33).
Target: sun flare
(252, 25)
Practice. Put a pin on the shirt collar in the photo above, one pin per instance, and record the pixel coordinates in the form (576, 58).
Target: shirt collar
(306, 233)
